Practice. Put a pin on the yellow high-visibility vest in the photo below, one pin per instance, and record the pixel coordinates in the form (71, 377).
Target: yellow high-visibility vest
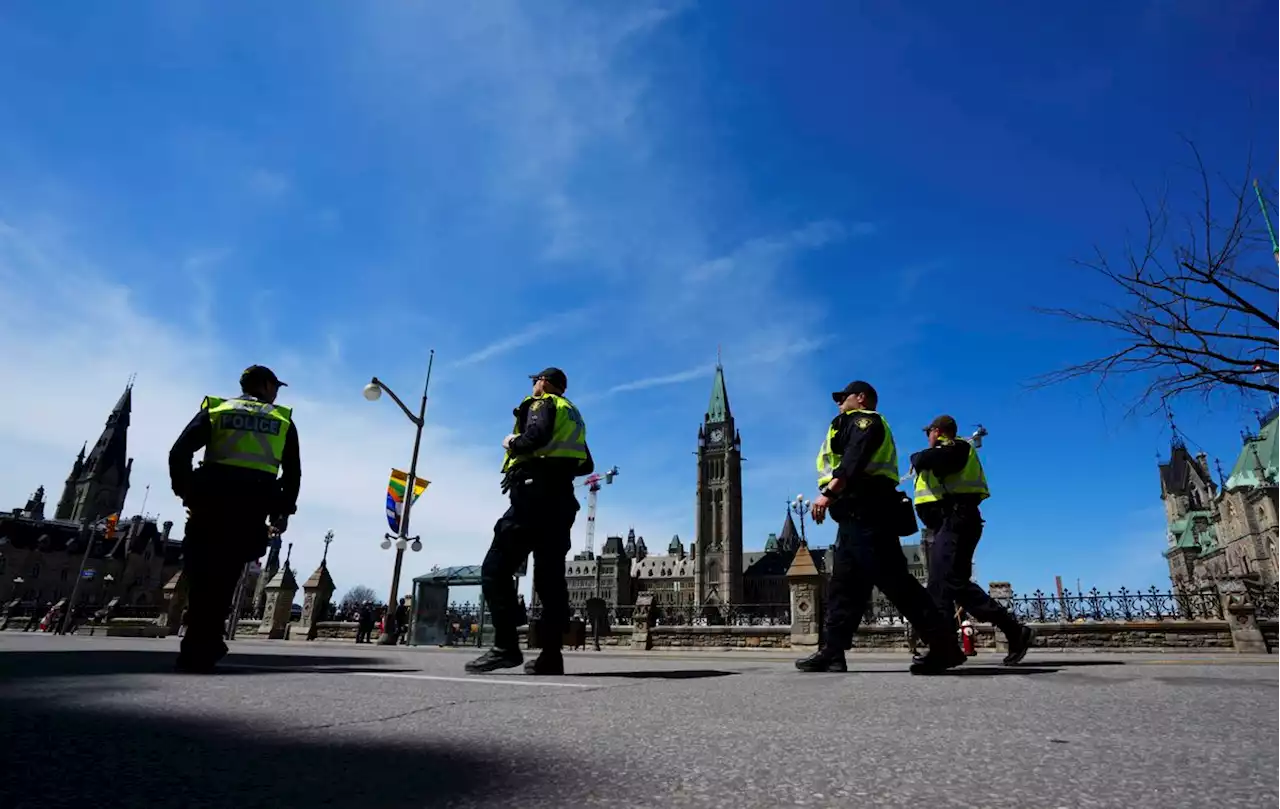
(568, 439)
(969, 480)
(884, 463)
(247, 433)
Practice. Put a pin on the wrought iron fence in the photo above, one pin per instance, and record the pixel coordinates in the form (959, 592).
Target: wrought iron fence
(1267, 602)
(1120, 605)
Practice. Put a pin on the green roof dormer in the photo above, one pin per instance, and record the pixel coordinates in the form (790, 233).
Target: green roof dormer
(1256, 466)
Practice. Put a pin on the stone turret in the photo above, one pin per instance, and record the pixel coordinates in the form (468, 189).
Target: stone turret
(317, 591)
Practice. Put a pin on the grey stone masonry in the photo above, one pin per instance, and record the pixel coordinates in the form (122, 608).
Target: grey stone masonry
(640, 621)
(280, 592)
(1242, 616)
(804, 581)
(175, 603)
(317, 590)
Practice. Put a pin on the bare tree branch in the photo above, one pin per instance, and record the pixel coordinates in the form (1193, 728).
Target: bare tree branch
(1194, 314)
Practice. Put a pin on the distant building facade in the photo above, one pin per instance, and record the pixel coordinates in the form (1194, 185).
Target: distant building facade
(1224, 530)
(40, 555)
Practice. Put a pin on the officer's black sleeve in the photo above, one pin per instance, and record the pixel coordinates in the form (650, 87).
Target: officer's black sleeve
(858, 445)
(291, 473)
(588, 466)
(539, 427)
(942, 460)
(195, 436)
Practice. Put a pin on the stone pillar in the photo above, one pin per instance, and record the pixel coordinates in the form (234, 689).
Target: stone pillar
(640, 622)
(175, 603)
(1242, 616)
(1001, 591)
(803, 578)
(8, 610)
(317, 591)
(279, 607)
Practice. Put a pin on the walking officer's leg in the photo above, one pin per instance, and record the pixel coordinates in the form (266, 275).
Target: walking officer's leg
(913, 601)
(848, 592)
(211, 573)
(551, 543)
(965, 534)
(510, 547)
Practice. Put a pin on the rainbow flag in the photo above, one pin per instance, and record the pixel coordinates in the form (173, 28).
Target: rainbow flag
(395, 496)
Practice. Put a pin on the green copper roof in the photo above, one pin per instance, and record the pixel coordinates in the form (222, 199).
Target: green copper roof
(718, 410)
(1186, 534)
(1259, 454)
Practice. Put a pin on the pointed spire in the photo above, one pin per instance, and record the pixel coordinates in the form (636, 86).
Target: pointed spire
(789, 537)
(718, 409)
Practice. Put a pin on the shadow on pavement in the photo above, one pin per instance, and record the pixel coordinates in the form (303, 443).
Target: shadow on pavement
(62, 754)
(680, 674)
(88, 663)
(1077, 663)
(997, 671)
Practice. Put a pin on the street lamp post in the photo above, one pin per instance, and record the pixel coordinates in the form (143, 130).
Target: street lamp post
(373, 391)
(800, 507)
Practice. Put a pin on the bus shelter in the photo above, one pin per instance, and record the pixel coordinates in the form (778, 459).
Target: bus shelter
(430, 621)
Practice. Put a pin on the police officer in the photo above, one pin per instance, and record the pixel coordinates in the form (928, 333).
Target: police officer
(546, 450)
(950, 485)
(858, 478)
(230, 498)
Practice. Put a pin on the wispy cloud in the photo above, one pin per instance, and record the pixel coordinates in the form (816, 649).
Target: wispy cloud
(268, 184)
(701, 372)
(765, 254)
(766, 356)
(541, 328)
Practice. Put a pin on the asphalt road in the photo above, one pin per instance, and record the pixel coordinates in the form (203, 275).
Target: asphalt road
(92, 721)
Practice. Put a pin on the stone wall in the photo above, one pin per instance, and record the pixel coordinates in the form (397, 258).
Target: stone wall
(720, 637)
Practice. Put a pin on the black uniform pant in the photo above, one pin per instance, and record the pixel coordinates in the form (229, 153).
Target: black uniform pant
(951, 569)
(868, 554)
(539, 521)
(215, 549)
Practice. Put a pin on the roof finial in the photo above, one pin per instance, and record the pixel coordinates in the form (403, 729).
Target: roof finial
(1176, 437)
(718, 355)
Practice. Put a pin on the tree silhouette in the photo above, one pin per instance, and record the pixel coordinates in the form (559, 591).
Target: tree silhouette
(1196, 307)
(356, 596)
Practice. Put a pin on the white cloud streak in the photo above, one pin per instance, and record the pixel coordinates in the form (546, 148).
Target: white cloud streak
(524, 337)
(766, 356)
(73, 336)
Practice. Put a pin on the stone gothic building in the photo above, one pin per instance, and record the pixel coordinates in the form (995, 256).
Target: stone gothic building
(713, 571)
(1226, 529)
(40, 556)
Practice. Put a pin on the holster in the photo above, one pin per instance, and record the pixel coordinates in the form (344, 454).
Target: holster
(905, 516)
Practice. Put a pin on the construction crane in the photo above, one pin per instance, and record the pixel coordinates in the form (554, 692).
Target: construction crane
(593, 484)
(1266, 219)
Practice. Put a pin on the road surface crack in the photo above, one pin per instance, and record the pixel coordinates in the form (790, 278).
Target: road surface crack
(426, 709)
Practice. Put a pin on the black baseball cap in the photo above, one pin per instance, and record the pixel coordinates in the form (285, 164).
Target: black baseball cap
(852, 388)
(259, 374)
(553, 375)
(945, 424)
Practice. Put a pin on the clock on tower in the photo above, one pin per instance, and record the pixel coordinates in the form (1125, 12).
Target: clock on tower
(717, 435)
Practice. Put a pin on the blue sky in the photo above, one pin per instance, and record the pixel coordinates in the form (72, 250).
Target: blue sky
(830, 191)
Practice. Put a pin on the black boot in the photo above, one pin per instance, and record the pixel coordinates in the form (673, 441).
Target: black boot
(199, 658)
(825, 659)
(495, 659)
(1019, 644)
(549, 663)
(943, 654)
